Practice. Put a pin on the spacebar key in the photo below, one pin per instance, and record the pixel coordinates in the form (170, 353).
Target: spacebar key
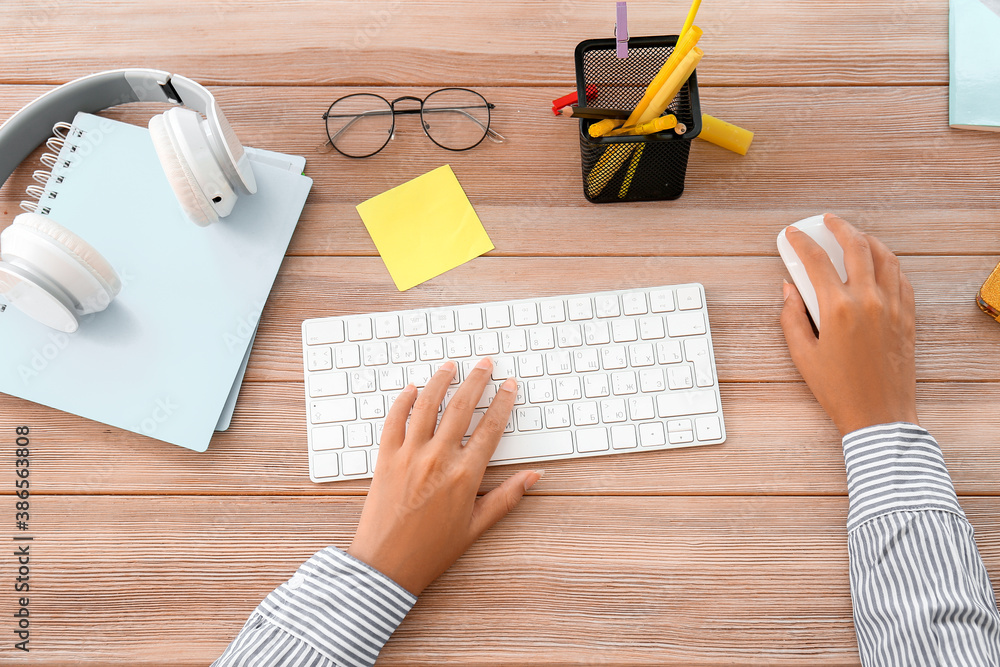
(534, 445)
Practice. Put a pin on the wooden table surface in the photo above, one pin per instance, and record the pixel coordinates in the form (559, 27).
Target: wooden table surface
(149, 554)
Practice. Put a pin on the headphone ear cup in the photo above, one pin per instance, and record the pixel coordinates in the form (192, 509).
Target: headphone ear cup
(194, 202)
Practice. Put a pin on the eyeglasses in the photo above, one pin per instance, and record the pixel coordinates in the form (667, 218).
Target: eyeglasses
(360, 125)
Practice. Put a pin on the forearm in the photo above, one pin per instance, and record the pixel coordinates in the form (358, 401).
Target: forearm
(921, 593)
(335, 611)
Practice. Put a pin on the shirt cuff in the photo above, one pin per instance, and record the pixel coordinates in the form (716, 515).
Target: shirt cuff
(342, 607)
(895, 467)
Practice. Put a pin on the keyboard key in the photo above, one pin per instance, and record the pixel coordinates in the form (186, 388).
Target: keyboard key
(319, 359)
(431, 349)
(512, 447)
(585, 414)
(634, 303)
(324, 332)
(592, 440)
(457, 377)
(568, 389)
(661, 301)
(613, 358)
(679, 377)
(641, 407)
(579, 309)
(325, 464)
(525, 314)
(477, 417)
(540, 391)
(607, 305)
(348, 356)
(419, 375)
(333, 410)
(387, 326)
(556, 416)
(327, 384)
(559, 362)
(541, 338)
(359, 435)
(530, 365)
(470, 319)
(520, 397)
(623, 437)
(503, 368)
(442, 321)
(459, 346)
(414, 324)
(403, 351)
(651, 328)
(529, 419)
(679, 431)
(363, 381)
(696, 351)
(359, 328)
(355, 463)
(373, 453)
(553, 311)
(489, 393)
(651, 434)
(686, 324)
(371, 407)
(514, 340)
(390, 379)
(595, 386)
(486, 344)
(688, 298)
(586, 360)
(596, 333)
(641, 354)
(497, 317)
(669, 352)
(623, 331)
(328, 437)
(375, 354)
(624, 383)
(613, 410)
(708, 428)
(651, 380)
(569, 335)
(686, 403)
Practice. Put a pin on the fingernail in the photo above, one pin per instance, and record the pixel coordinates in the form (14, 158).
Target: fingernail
(449, 366)
(410, 387)
(530, 481)
(510, 384)
(485, 363)
(786, 289)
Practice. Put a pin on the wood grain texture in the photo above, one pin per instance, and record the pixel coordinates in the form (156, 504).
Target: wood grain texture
(600, 580)
(508, 42)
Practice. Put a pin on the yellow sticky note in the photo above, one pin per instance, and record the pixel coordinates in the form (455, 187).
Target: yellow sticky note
(424, 227)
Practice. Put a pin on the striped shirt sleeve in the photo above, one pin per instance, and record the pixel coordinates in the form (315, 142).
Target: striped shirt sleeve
(920, 592)
(335, 611)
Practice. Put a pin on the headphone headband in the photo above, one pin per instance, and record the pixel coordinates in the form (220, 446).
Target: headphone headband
(32, 125)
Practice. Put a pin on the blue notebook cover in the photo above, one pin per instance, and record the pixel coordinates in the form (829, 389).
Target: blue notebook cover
(974, 61)
(163, 357)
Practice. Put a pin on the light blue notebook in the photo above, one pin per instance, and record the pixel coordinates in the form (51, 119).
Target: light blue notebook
(163, 358)
(974, 61)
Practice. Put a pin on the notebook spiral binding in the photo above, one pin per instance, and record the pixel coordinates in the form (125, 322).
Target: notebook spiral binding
(56, 143)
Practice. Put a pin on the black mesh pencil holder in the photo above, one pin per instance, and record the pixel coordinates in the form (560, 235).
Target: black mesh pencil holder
(637, 168)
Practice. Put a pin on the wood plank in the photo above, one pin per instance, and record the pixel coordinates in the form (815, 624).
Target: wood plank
(955, 340)
(779, 442)
(681, 581)
(431, 42)
(918, 185)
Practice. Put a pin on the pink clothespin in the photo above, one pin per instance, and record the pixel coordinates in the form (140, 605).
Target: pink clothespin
(621, 30)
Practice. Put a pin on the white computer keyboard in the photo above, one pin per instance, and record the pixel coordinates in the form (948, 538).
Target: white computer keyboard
(602, 373)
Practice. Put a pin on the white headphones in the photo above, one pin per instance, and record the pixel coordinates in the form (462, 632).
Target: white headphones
(54, 276)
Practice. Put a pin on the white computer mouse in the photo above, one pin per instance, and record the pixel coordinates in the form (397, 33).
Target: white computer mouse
(817, 230)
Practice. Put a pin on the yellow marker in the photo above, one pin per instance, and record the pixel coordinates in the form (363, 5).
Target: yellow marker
(689, 21)
(605, 169)
(724, 134)
(685, 43)
(666, 94)
(602, 127)
(631, 171)
(660, 124)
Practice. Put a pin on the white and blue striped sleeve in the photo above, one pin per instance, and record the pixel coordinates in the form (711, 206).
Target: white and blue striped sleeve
(920, 591)
(335, 611)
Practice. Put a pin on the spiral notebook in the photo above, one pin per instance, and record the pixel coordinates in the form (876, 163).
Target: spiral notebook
(166, 358)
